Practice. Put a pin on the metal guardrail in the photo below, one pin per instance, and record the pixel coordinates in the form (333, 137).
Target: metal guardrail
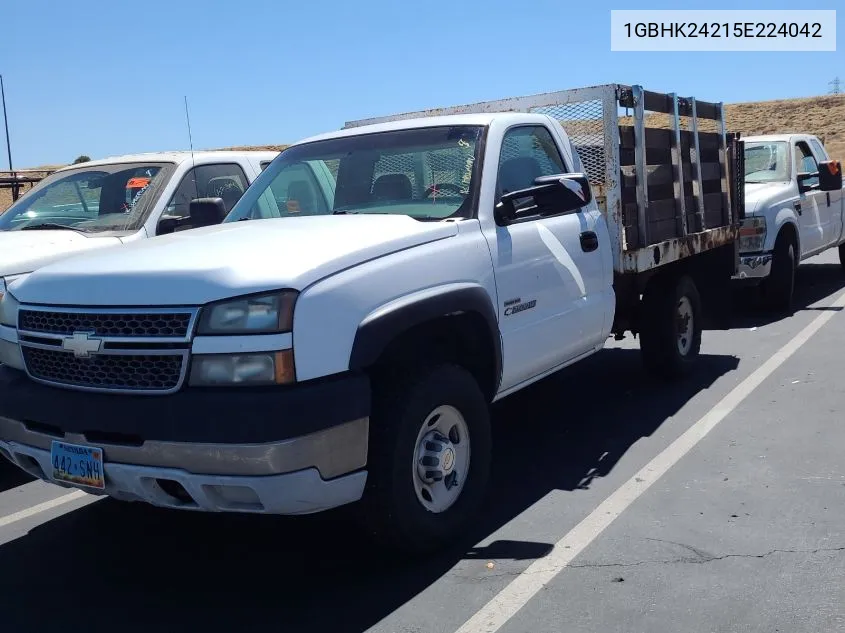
(19, 178)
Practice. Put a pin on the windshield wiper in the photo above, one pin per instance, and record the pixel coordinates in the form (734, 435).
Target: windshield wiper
(345, 212)
(51, 227)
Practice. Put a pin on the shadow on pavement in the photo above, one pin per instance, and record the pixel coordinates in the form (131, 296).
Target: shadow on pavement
(135, 568)
(813, 283)
(11, 476)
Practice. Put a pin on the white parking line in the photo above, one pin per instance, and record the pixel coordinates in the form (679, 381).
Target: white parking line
(41, 507)
(492, 616)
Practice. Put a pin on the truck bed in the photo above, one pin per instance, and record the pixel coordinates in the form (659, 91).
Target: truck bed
(668, 191)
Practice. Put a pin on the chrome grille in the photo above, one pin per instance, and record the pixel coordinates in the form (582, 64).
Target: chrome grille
(110, 350)
(118, 324)
(131, 372)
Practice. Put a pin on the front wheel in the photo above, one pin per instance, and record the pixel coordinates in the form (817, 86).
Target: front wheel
(670, 334)
(430, 454)
(779, 286)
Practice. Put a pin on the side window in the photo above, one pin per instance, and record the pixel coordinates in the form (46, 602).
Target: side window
(818, 148)
(297, 191)
(527, 153)
(805, 163)
(226, 181)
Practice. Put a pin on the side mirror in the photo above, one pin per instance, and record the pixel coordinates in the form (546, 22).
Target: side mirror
(830, 175)
(550, 195)
(804, 181)
(206, 211)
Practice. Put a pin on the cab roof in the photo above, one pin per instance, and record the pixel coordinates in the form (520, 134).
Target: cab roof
(199, 157)
(764, 138)
(484, 119)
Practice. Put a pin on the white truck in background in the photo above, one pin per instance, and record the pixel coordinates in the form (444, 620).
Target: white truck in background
(339, 337)
(116, 201)
(794, 206)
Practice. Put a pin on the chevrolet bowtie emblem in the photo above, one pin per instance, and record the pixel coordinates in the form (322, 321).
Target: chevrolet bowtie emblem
(81, 344)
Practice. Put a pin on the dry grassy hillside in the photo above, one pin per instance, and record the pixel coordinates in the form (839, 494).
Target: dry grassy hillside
(822, 116)
(256, 148)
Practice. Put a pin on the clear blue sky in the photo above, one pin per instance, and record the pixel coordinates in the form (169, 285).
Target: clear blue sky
(107, 77)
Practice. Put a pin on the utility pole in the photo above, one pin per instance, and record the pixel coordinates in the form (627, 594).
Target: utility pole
(836, 86)
(6, 122)
(8, 142)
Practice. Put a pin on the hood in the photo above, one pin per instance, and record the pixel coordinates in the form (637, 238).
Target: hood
(227, 260)
(24, 251)
(760, 196)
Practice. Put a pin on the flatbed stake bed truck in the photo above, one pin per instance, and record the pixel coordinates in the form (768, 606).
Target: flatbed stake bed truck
(339, 337)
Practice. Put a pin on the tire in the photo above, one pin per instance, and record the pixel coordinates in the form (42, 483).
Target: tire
(394, 506)
(670, 335)
(842, 255)
(779, 286)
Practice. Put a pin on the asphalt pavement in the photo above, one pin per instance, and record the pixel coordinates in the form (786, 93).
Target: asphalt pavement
(617, 504)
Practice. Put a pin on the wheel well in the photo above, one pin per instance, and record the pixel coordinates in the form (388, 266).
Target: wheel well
(710, 271)
(787, 231)
(464, 339)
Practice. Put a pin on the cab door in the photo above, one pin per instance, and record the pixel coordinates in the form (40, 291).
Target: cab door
(548, 270)
(832, 200)
(814, 214)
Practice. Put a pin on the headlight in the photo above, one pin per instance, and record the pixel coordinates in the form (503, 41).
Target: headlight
(248, 370)
(8, 306)
(259, 314)
(752, 234)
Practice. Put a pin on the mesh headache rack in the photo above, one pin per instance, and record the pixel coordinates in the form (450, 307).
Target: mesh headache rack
(662, 167)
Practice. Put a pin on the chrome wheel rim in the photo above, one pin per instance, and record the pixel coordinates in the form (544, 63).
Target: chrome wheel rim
(686, 325)
(441, 459)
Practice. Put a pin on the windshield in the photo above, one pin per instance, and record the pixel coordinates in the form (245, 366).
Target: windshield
(115, 197)
(427, 173)
(766, 162)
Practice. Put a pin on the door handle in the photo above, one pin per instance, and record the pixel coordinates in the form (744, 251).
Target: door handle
(589, 241)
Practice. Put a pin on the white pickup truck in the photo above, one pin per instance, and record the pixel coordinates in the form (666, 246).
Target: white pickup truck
(794, 207)
(116, 201)
(339, 337)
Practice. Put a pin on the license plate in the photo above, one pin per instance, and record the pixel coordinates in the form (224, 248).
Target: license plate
(79, 465)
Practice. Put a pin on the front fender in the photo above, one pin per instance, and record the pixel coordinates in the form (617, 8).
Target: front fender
(384, 324)
(775, 221)
(330, 313)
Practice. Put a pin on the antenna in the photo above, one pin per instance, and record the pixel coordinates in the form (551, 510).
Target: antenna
(191, 141)
(836, 86)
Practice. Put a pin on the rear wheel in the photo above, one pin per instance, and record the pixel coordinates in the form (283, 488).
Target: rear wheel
(430, 453)
(671, 325)
(779, 286)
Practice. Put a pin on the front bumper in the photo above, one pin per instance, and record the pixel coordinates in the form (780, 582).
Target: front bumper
(294, 450)
(755, 266)
(299, 492)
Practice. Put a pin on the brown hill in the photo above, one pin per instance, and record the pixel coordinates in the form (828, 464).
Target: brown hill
(823, 116)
